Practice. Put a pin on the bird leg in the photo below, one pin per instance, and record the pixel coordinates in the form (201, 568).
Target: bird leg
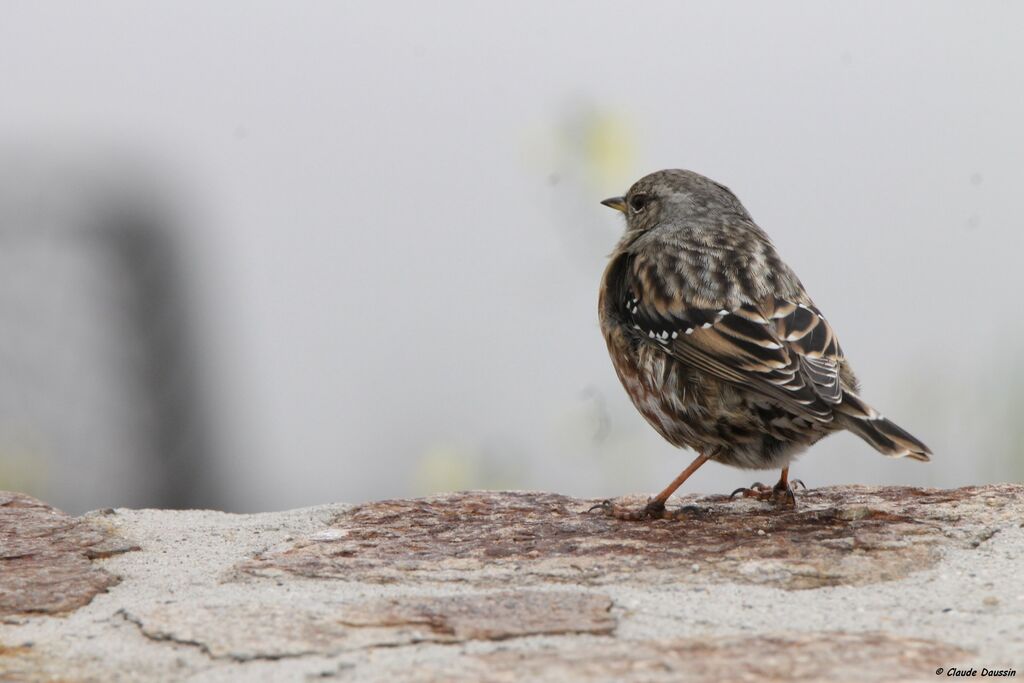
(781, 495)
(655, 508)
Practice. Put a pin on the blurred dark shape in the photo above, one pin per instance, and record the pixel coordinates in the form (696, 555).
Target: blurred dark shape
(99, 399)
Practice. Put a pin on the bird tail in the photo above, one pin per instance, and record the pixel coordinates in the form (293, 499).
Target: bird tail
(885, 436)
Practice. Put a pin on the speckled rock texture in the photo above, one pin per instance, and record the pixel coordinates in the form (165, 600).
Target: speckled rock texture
(855, 584)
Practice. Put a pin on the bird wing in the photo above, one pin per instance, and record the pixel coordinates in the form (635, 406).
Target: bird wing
(781, 349)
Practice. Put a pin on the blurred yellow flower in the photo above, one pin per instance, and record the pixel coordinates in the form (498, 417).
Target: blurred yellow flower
(608, 149)
(445, 467)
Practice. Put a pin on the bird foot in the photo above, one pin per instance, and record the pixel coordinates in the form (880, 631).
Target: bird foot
(781, 495)
(654, 509)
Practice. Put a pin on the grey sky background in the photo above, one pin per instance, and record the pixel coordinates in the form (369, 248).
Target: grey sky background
(396, 238)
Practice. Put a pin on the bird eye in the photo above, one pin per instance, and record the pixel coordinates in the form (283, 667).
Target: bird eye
(638, 202)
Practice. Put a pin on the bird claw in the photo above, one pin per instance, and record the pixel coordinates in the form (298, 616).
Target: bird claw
(755, 490)
(653, 510)
(779, 496)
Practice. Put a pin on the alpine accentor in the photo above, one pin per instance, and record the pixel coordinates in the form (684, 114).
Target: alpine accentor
(717, 343)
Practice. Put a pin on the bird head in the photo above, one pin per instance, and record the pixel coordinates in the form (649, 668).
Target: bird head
(674, 197)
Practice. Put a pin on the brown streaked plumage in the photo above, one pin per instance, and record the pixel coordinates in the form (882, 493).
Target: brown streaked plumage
(718, 344)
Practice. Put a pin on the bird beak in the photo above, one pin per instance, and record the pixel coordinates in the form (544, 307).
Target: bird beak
(617, 203)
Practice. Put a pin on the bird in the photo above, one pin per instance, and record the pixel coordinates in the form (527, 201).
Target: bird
(718, 344)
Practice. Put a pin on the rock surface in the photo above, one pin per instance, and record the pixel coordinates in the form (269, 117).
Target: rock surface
(855, 584)
(45, 557)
